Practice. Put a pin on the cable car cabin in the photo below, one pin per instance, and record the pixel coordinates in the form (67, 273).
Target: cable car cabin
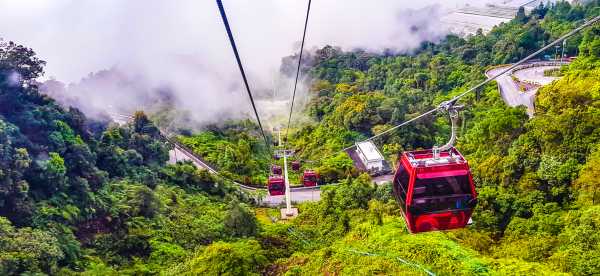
(275, 169)
(296, 165)
(310, 178)
(434, 193)
(276, 185)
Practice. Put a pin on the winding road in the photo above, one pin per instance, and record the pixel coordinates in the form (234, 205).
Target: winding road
(531, 74)
(299, 194)
(302, 194)
(180, 153)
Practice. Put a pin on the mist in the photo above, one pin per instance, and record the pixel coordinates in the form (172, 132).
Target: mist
(121, 56)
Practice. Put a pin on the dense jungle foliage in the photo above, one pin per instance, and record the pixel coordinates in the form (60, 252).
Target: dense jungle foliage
(538, 211)
(235, 148)
(79, 196)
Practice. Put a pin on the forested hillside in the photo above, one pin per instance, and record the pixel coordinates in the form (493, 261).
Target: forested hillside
(538, 209)
(235, 148)
(86, 196)
(81, 195)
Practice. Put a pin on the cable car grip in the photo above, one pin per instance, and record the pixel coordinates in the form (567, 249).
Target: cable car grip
(453, 110)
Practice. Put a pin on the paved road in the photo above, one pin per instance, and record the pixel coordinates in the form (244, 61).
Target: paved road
(310, 194)
(300, 194)
(536, 74)
(297, 196)
(383, 179)
(509, 89)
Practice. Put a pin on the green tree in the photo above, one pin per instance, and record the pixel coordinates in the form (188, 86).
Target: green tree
(221, 258)
(15, 202)
(26, 250)
(589, 180)
(239, 221)
(20, 59)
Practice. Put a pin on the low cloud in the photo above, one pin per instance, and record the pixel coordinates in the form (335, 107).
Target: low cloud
(125, 55)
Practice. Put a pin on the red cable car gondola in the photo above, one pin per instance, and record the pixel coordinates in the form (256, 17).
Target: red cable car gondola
(310, 178)
(276, 185)
(434, 193)
(296, 165)
(275, 169)
(434, 187)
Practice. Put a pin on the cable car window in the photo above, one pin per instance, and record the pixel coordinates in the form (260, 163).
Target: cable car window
(276, 187)
(311, 178)
(442, 193)
(442, 186)
(403, 179)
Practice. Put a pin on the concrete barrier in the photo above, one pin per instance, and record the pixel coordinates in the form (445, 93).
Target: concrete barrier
(533, 65)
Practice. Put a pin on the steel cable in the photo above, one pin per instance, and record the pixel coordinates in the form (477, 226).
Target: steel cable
(297, 72)
(239, 62)
(479, 85)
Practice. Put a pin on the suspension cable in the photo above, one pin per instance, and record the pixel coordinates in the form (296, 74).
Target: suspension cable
(479, 85)
(239, 62)
(508, 69)
(302, 238)
(405, 262)
(287, 130)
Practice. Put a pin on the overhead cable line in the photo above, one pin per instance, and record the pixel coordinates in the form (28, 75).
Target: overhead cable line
(297, 72)
(508, 69)
(297, 234)
(411, 264)
(445, 104)
(239, 62)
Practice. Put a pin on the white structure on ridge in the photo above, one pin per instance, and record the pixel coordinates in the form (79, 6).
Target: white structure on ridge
(468, 19)
(370, 157)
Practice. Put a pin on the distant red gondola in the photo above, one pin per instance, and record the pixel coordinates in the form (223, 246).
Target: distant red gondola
(276, 185)
(275, 169)
(310, 178)
(434, 192)
(296, 165)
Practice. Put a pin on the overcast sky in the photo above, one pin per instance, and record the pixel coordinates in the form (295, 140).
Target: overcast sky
(183, 44)
(80, 36)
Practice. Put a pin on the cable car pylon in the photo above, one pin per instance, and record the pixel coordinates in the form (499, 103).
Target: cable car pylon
(275, 182)
(289, 212)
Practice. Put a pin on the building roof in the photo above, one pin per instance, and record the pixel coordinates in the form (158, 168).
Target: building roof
(448, 160)
(370, 151)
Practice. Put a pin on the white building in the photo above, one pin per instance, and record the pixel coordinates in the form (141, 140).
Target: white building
(370, 156)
